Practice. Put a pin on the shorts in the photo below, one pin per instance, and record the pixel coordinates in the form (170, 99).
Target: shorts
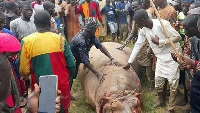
(113, 27)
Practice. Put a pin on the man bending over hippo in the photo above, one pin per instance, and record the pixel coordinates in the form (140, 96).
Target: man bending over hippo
(80, 47)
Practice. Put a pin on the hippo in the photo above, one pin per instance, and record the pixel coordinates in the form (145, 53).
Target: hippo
(120, 92)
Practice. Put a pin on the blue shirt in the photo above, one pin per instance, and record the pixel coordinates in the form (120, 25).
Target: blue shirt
(122, 16)
(80, 47)
(110, 13)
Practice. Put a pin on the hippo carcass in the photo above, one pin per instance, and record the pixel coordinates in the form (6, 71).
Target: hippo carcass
(120, 91)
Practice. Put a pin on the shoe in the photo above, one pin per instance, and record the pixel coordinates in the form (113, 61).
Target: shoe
(72, 98)
(182, 103)
(170, 111)
(161, 102)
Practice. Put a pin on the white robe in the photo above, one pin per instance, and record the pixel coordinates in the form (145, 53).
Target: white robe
(165, 64)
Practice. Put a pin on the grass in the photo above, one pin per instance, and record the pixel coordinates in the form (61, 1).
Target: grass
(148, 99)
(80, 106)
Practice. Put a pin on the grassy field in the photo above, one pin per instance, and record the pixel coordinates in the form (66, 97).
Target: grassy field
(149, 98)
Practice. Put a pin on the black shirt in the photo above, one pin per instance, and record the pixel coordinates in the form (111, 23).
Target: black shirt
(9, 19)
(80, 47)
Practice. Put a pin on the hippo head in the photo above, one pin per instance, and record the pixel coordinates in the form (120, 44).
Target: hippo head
(125, 102)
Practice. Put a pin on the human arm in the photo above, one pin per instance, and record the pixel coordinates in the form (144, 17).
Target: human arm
(69, 59)
(174, 36)
(186, 62)
(99, 75)
(130, 36)
(138, 45)
(62, 14)
(134, 30)
(13, 28)
(24, 61)
(98, 45)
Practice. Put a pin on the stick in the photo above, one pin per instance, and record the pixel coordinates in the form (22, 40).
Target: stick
(165, 31)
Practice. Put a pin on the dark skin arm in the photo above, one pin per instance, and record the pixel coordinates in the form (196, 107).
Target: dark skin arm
(105, 51)
(62, 16)
(99, 75)
(186, 62)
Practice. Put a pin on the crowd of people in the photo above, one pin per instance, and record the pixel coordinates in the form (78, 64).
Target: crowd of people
(56, 37)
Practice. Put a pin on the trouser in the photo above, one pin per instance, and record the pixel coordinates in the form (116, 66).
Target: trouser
(123, 31)
(72, 77)
(159, 85)
(126, 42)
(143, 71)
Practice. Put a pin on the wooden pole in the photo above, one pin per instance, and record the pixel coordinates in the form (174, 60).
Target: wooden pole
(165, 31)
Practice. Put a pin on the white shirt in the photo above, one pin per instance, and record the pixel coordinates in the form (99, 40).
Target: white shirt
(163, 50)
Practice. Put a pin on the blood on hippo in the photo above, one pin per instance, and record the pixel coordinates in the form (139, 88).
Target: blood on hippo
(121, 90)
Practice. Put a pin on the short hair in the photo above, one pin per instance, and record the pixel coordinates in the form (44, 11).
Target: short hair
(190, 21)
(2, 15)
(139, 2)
(42, 18)
(47, 4)
(10, 5)
(25, 3)
(141, 14)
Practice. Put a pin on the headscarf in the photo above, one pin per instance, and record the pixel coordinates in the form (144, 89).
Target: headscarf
(9, 43)
(91, 24)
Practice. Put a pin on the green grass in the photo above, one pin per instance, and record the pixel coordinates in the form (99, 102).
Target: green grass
(80, 106)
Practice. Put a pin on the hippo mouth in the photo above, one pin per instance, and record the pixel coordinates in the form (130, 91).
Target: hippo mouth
(127, 101)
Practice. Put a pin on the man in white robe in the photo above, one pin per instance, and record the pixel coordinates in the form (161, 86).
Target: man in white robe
(166, 68)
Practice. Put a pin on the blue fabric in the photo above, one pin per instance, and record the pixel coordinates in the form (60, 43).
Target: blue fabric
(4, 30)
(80, 47)
(110, 13)
(188, 0)
(122, 16)
(58, 22)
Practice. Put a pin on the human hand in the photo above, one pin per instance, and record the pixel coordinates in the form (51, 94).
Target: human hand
(115, 62)
(33, 99)
(177, 25)
(100, 76)
(127, 66)
(184, 63)
(155, 40)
